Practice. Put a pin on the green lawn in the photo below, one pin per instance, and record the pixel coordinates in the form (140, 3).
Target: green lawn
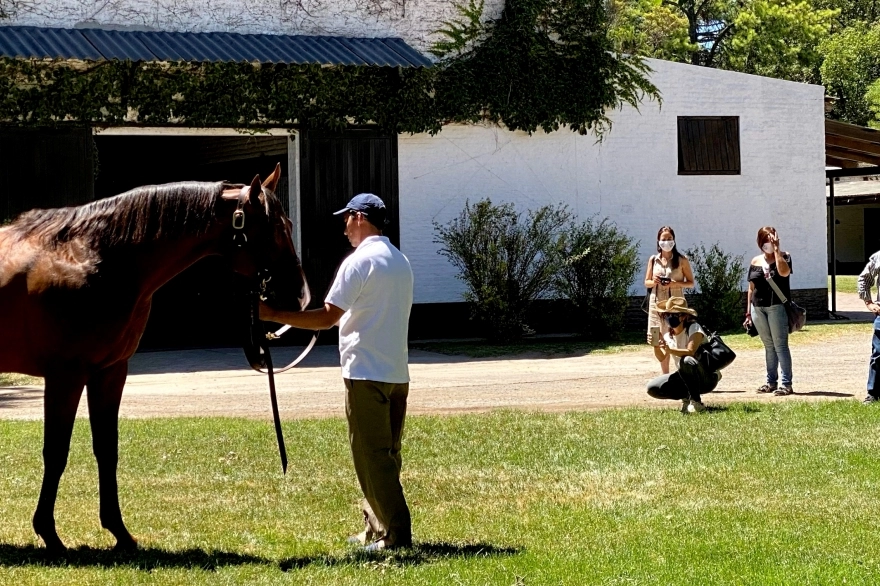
(845, 283)
(750, 494)
(17, 380)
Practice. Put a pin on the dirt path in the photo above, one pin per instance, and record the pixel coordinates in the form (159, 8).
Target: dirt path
(213, 382)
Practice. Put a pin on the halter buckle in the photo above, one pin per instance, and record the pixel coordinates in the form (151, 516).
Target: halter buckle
(238, 219)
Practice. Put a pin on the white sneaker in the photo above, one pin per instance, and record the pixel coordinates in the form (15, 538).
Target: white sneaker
(695, 407)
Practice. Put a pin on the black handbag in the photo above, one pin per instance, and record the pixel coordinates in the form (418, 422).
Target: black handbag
(715, 354)
(797, 315)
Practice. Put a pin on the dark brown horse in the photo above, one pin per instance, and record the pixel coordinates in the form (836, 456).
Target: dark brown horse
(76, 286)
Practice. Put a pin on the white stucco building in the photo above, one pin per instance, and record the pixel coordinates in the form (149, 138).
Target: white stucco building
(634, 176)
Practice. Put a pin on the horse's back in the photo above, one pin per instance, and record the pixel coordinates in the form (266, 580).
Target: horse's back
(50, 313)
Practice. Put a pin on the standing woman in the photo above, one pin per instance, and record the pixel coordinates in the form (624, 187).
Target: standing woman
(668, 275)
(766, 310)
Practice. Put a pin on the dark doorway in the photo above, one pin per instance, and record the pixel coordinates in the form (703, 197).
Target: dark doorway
(334, 168)
(44, 168)
(872, 231)
(198, 307)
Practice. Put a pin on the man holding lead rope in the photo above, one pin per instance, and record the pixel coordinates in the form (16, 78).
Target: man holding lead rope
(371, 298)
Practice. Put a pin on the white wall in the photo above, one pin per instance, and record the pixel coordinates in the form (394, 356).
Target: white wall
(413, 20)
(632, 177)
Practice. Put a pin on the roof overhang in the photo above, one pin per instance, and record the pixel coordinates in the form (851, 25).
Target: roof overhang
(96, 44)
(849, 146)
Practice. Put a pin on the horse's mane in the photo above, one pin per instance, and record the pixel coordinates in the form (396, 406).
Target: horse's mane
(142, 214)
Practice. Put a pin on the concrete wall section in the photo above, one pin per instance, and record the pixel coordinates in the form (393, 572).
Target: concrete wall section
(632, 177)
(414, 20)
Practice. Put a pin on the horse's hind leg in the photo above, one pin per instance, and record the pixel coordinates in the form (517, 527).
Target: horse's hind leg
(60, 401)
(104, 395)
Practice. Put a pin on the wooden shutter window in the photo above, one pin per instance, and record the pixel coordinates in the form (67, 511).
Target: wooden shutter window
(708, 145)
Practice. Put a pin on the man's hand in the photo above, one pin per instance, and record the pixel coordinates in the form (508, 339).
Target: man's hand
(873, 308)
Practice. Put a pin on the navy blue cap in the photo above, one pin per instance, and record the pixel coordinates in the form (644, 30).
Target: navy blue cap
(365, 203)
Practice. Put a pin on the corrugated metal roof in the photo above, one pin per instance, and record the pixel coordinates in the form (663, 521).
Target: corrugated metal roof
(97, 44)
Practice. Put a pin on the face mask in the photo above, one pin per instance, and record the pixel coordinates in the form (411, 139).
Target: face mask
(767, 248)
(673, 320)
(666, 245)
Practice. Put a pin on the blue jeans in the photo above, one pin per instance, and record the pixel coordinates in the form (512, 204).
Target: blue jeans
(772, 325)
(874, 364)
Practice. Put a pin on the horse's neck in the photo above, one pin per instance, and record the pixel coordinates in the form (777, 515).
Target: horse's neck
(157, 262)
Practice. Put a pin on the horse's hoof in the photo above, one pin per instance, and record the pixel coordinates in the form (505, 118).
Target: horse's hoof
(128, 544)
(54, 546)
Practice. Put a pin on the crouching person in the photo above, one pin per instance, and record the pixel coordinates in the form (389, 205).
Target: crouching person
(682, 342)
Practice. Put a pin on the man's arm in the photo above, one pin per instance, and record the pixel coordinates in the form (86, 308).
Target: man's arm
(313, 319)
(866, 281)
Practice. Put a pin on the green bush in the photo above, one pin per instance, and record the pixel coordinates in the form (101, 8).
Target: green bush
(599, 263)
(506, 259)
(719, 279)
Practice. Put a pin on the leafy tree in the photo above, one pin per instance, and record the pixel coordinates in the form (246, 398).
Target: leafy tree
(777, 38)
(851, 12)
(543, 64)
(851, 65)
(599, 263)
(506, 259)
(719, 277)
(650, 28)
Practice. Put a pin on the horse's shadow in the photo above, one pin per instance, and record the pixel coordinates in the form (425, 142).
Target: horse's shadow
(147, 558)
(418, 554)
(151, 558)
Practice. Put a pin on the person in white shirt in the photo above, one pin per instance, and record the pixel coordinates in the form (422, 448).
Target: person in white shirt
(370, 299)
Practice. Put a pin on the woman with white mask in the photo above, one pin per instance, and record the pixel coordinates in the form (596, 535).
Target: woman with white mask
(668, 275)
(767, 312)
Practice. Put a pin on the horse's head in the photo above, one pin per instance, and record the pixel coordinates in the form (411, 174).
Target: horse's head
(262, 243)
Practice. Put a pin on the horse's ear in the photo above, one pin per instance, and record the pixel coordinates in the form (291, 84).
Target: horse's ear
(255, 190)
(271, 181)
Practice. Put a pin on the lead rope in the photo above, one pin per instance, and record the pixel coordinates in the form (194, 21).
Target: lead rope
(273, 396)
(266, 356)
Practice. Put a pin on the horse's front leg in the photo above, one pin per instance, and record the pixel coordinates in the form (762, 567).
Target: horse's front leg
(104, 395)
(60, 401)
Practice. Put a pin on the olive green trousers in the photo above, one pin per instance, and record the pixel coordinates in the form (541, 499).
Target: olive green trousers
(375, 413)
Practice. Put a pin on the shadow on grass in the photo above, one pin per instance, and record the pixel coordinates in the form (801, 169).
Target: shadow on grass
(825, 394)
(142, 559)
(420, 553)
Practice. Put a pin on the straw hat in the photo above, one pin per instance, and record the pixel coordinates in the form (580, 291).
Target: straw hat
(675, 305)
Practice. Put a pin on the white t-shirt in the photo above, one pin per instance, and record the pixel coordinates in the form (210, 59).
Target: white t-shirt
(374, 286)
(680, 341)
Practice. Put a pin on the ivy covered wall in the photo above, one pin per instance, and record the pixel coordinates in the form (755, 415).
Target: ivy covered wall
(540, 64)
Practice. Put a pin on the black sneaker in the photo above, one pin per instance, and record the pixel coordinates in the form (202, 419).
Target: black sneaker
(870, 399)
